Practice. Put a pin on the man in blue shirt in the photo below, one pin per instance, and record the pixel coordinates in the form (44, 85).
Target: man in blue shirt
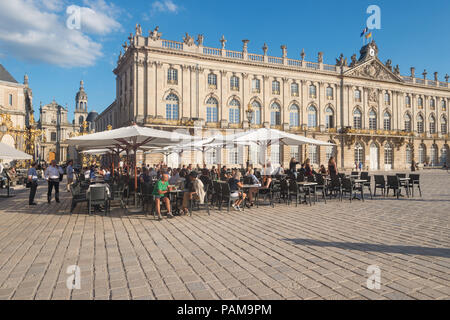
(33, 183)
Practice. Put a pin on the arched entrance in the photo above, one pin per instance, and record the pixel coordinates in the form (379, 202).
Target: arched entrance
(8, 140)
(374, 156)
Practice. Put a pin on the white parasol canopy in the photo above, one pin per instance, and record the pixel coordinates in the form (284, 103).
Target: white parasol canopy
(268, 137)
(129, 138)
(9, 153)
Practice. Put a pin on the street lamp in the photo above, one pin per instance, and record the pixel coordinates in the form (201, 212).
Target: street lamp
(249, 113)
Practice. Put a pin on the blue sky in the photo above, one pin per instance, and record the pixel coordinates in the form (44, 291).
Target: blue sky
(34, 38)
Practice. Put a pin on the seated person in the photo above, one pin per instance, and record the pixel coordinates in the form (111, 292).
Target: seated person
(266, 182)
(205, 178)
(161, 192)
(175, 178)
(145, 176)
(235, 185)
(253, 191)
(196, 191)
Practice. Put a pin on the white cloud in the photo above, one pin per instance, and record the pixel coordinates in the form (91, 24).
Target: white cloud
(165, 6)
(36, 31)
(98, 17)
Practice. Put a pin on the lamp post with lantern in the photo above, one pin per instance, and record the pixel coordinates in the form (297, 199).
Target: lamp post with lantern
(249, 113)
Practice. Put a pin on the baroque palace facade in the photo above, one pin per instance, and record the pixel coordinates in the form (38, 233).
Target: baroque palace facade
(370, 111)
(16, 110)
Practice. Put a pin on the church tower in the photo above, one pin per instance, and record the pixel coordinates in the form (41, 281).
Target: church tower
(81, 113)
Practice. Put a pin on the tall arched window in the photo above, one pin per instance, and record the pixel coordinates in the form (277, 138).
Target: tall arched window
(443, 105)
(388, 156)
(422, 154)
(387, 121)
(330, 93)
(294, 118)
(387, 98)
(256, 86)
(357, 121)
(409, 154)
(444, 125)
(432, 125)
(357, 95)
(408, 101)
(235, 112)
(372, 120)
(172, 107)
(434, 155)
(329, 118)
(211, 157)
(408, 126)
(420, 128)
(172, 76)
(432, 103)
(275, 114)
(212, 80)
(256, 113)
(313, 152)
(312, 117)
(359, 153)
(234, 83)
(275, 87)
(420, 102)
(212, 110)
(312, 91)
(294, 89)
(80, 120)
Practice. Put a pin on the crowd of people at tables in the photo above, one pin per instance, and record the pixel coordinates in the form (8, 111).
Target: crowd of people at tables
(193, 179)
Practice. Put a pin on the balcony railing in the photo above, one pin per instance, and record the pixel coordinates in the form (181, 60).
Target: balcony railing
(174, 45)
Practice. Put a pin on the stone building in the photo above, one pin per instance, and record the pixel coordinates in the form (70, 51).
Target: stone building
(16, 109)
(57, 129)
(366, 107)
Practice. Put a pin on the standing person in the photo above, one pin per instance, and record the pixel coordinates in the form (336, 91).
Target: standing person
(332, 168)
(33, 181)
(161, 193)
(293, 165)
(52, 175)
(69, 171)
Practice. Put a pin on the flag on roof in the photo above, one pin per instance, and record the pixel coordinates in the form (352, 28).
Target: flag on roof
(364, 31)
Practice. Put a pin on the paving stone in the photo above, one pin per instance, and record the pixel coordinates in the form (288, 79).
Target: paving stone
(286, 252)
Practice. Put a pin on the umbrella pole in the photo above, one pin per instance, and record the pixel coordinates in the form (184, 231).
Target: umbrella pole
(135, 177)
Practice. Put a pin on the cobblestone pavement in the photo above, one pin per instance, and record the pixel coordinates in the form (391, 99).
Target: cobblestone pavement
(319, 252)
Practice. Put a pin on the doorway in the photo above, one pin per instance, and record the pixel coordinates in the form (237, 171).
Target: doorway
(374, 157)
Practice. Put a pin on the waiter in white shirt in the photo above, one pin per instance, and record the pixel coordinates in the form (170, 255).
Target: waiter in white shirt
(52, 174)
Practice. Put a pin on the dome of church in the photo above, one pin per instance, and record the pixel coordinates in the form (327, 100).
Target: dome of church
(92, 116)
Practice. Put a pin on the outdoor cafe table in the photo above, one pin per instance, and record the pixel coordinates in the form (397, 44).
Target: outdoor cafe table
(361, 185)
(310, 185)
(173, 197)
(405, 180)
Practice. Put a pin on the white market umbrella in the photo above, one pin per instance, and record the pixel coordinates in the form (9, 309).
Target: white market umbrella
(129, 138)
(266, 137)
(9, 153)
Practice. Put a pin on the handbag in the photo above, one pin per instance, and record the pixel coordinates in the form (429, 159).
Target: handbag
(29, 184)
